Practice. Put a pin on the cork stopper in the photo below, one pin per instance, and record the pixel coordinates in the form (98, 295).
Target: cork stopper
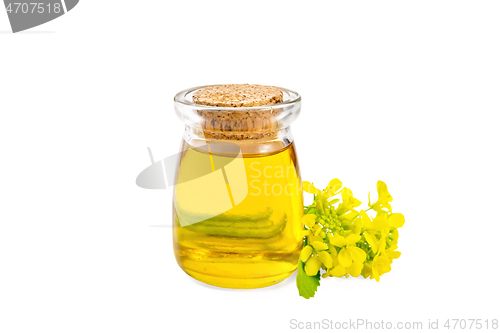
(239, 124)
(238, 95)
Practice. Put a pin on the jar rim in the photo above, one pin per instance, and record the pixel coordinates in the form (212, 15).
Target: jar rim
(185, 97)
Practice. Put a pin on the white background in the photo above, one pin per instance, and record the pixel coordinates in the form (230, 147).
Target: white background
(402, 91)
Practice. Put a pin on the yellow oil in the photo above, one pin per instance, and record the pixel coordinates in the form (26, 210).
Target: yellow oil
(257, 241)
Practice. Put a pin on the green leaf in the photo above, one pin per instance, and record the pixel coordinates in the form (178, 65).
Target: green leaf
(306, 284)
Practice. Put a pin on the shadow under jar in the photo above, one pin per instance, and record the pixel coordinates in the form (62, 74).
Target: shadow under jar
(238, 203)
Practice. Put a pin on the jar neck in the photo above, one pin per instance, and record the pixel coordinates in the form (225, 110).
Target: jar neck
(250, 143)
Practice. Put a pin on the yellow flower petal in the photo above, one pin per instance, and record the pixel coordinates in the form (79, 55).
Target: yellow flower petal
(395, 255)
(319, 246)
(330, 237)
(353, 239)
(375, 274)
(396, 220)
(335, 260)
(358, 255)
(384, 205)
(332, 250)
(311, 239)
(367, 271)
(326, 259)
(306, 253)
(355, 269)
(339, 241)
(366, 221)
(381, 222)
(338, 271)
(346, 194)
(355, 202)
(381, 244)
(394, 234)
(309, 188)
(309, 220)
(312, 266)
(334, 185)
(392, 253)
(392, 238)
(370, 239)
(392, 248)
(384, 265)
(383, 192)
(345, 258)
(380, 266)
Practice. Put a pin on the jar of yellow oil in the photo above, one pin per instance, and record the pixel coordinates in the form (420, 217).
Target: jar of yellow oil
(237, 204)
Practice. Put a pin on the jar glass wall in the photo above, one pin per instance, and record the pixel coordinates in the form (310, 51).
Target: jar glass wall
(237, 204)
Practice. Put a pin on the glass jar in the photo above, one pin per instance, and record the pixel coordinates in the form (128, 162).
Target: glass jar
(238, 203)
